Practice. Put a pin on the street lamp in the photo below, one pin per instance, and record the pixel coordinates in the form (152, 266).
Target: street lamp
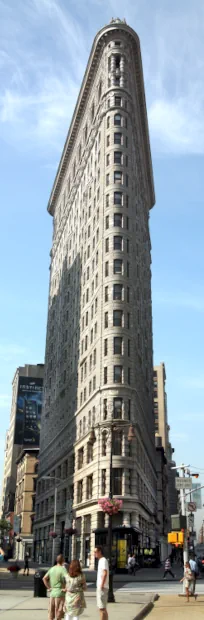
(112, 426)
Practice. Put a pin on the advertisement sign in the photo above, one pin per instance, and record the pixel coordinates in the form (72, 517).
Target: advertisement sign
(28, 411)
(122, 553)
(196, 495)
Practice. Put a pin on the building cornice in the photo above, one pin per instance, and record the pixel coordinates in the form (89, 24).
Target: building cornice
(81, 102)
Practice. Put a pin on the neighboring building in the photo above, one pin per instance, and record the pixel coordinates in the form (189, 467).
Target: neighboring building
(99, 332)
(160, 404)
(3, 484)
(27, 469)
(24, 427)
(173, 495)
(162, 498)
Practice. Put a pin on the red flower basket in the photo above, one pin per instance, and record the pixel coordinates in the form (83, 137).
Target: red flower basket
(70, 531)
(53, 534)
(110, 506)
(14, 568)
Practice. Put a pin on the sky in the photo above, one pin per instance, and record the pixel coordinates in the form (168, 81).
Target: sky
(44, 48)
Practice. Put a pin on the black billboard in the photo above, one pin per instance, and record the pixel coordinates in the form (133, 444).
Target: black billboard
(28, 411)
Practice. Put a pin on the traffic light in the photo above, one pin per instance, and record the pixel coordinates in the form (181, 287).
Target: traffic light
(195, 475)
(176, 538)
(181, 538)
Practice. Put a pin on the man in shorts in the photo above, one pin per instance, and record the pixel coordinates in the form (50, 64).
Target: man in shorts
(54, 581)
(102, 583)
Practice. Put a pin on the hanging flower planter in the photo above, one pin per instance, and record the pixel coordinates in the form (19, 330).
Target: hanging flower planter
(70, 531)
(14, 570)
(53, 534)
(110, 506)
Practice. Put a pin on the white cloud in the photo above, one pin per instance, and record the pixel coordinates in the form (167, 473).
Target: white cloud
(43, 55)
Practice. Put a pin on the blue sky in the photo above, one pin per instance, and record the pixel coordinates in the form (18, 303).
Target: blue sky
(44, 49)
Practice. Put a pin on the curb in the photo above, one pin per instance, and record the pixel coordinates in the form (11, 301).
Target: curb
(146, 608)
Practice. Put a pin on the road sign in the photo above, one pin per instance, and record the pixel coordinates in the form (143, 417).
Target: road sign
(183, 483)
(192, 507)
(190, 521)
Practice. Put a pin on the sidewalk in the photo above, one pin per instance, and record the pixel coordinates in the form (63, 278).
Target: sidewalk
(129, 607)
(142, 575)
(176, 608)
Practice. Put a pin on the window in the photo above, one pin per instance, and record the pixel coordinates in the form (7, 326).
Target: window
(118, 374)
(128, 246)
(107, 222)
(106, 346)
(117, 157)
(107, 244)
(105, 375)
(127, 223)
(106, 293)
(79, 491)
(118, 292)
(127, 201)
(118, 101)
(118, 265)
(89, 452)
(117, 80)
(117, 408)
(118, 178)
(128, 269)
(89, 487)
(126, 180)
(117, 138)
(106, 319)
(108, 159)
(108, 140)
(117, 346)
(80, 458)
(128, 320)
(107, 200)
(118, 220)
(117, 443)
(117, 119)
(117, 243)
(126, 142)
(103, 481)
(106, 268)
(105, 409)
(117, 61)
(128, 348)
(117, 43)
(107, 179)
(104, 443)
(129, 409)
(118, 198)
(108, 122)
(94, 383)
(94, 357)
(117, 481)
(117, 318)
(129, 376)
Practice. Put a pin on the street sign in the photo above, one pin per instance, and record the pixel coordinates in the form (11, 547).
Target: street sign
(192, 507)
(190, 521)
(183, 483)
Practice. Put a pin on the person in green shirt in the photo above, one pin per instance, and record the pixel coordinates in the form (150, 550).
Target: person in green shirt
(54, 581)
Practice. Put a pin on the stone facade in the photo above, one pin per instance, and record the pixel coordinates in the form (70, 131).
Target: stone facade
(27, 470)
(99, 331)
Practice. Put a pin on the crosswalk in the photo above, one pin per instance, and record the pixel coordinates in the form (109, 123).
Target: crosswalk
(159, 588)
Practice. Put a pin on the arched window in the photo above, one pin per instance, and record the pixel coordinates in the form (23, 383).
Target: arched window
(118, 119)
(84, 425)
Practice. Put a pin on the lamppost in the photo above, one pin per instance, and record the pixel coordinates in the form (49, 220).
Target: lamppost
(113, 426)
(59, 480)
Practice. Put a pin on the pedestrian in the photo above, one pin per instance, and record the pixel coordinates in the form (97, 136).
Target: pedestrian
(133, 564)
(102, 583)
(187, 579)
(26, 564)
(129, 563)
(195, 573)
(55, 581)
(167, 568)
(75, 586)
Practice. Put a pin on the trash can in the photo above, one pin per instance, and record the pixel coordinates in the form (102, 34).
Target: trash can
(39, 587)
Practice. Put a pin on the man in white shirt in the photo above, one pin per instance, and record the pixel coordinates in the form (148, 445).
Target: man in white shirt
(194, 570)
(102, 583)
